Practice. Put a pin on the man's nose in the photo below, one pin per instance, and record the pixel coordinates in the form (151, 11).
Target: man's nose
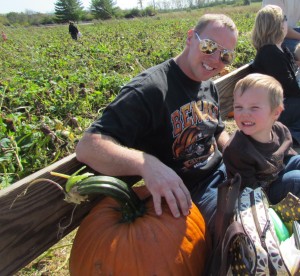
(216, 55)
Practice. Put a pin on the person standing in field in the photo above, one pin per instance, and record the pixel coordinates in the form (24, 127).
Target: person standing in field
(291, 9)
(73, 30)
(165, 125)
(4, 37)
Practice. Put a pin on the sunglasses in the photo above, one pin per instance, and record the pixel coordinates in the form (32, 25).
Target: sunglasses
(284, 18)
(208, 47)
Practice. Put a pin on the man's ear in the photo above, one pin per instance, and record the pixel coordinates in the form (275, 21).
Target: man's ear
(190, 34)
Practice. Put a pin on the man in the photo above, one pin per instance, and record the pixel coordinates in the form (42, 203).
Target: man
(165, 124)
(291, 8)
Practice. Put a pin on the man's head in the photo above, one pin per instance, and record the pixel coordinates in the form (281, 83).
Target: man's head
(209, 47)
(222, 19)
(258, 103)
(270, 26)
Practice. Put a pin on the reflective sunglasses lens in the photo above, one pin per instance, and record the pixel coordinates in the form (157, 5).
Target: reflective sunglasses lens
(227, 57)
(208, 46)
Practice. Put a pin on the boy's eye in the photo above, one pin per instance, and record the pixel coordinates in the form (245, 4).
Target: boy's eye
(237, 107)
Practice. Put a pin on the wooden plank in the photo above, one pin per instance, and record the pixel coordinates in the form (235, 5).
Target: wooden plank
(225, 86)
(30, 224)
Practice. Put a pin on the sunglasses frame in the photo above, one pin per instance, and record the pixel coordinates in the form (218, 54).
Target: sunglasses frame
(223, 51)
(284, 18)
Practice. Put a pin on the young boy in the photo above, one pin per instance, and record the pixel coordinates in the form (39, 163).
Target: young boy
(261, 150)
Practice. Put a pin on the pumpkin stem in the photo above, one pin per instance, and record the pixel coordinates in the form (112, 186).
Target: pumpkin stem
(131, 206)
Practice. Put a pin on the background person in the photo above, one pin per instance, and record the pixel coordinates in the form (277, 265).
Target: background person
(165, 125)
(268, 159)
(73, 30)
(4, 37)
(274, 59)
(291, 8)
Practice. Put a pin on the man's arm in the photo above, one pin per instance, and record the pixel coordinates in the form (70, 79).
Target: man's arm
(107, 156)
(292, 34)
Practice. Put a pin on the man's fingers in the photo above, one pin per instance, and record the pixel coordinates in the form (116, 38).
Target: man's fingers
(184, 200)
(157, 204)
(178, 201)
(172, 203)
(187, 194)
(177, 197)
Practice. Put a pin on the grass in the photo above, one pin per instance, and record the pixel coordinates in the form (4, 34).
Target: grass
(54, 261)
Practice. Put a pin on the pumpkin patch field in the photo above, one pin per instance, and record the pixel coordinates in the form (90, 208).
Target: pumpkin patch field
(52, 88)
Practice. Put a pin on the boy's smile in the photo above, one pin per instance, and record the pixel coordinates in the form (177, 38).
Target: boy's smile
(253, 114)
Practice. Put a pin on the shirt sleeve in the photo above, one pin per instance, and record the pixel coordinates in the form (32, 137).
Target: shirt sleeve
(129, 117)
(221, 125)
(236, 161)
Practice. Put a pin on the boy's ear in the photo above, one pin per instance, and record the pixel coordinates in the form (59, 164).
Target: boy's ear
(277, 112)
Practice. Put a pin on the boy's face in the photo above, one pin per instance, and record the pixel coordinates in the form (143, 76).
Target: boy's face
(253, 114)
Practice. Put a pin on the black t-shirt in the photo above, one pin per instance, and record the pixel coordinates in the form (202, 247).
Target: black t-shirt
(270, 60)
(260, 163)
(166, 114)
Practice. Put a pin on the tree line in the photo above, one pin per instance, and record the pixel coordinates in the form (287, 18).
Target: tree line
(73, 10)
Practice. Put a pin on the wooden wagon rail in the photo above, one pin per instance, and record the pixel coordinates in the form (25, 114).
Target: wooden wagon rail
(31, 223)
(226, 85)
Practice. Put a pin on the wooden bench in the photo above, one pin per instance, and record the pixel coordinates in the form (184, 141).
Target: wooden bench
(30, 223)
(226, 85)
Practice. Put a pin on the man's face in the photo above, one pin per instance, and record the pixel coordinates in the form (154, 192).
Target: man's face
(201, 66)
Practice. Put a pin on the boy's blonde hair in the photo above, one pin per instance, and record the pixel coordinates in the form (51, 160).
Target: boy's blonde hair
(222, 19)
(268, 27)
(266, 82)
(297, 52)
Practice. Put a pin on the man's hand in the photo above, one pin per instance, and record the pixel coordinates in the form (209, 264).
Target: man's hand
(105, 155)
(162, 181)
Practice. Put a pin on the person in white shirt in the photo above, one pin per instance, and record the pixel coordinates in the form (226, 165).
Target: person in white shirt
(291, 9)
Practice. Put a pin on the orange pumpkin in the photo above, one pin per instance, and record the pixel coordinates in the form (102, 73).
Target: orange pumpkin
(118, 239)
(230, 114)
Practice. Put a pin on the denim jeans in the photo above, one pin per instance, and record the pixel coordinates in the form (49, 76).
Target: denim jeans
(291, 43)
(205, 196)
(291, 117)
(288, 181)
